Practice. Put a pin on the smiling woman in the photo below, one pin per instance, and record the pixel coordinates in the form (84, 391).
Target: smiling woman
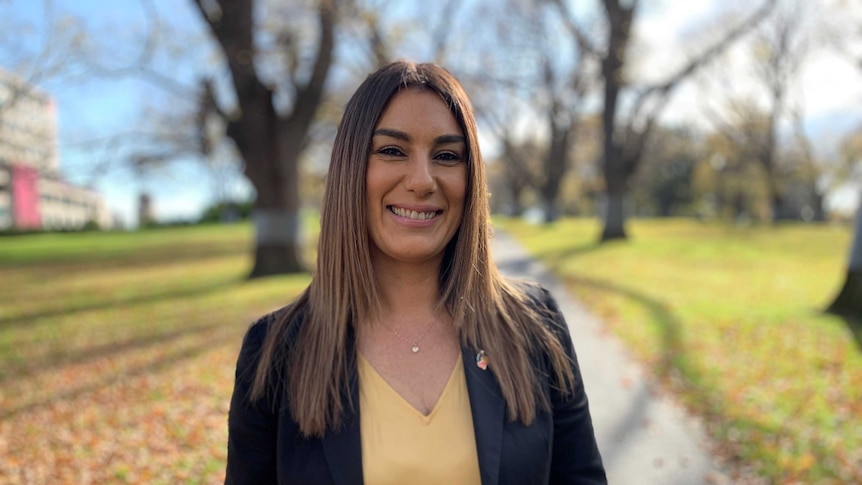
(409, 358)
(416, 180)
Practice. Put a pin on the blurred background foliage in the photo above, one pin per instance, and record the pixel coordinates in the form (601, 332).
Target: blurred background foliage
(585, 108)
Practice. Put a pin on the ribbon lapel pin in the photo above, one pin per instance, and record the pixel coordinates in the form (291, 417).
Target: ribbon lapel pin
(482, 360)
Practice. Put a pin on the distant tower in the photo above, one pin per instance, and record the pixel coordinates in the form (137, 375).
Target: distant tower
(145, 210)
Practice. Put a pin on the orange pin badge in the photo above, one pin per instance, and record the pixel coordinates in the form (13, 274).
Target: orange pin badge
(482, 360)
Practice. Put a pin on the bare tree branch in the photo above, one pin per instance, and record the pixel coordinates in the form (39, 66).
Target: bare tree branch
(232, 27)
(659, 93)
(441, 32)
(571, 24)
(271, 141)
(140, 67)
(716, 49)
(310, 94)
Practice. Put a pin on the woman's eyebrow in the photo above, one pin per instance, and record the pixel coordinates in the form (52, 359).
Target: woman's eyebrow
(391, 133)
(449, 139)
(440, 140)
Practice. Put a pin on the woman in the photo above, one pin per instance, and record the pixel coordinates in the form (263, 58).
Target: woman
(409, 359)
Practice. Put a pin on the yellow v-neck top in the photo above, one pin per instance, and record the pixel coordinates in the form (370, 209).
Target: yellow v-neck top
(401, 445)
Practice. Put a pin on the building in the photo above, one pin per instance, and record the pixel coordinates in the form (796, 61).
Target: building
(33, 194)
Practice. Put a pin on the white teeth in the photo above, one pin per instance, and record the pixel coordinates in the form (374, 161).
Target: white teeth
(417, 216)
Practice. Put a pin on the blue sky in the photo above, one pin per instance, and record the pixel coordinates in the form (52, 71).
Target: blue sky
(95, 107)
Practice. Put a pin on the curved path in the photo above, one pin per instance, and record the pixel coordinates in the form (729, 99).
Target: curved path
(644, 438)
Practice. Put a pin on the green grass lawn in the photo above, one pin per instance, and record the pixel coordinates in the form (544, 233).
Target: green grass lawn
(729, 319)
(117, 352)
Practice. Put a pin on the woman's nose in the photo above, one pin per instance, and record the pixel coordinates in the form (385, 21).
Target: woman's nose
(419, 178)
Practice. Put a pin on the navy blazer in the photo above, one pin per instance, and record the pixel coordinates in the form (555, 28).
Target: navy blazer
(266, 447)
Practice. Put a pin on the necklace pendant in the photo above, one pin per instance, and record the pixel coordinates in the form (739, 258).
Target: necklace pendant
(415, 349)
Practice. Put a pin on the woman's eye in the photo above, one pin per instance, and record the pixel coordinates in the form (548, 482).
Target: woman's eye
(391, 151)
(448, 157)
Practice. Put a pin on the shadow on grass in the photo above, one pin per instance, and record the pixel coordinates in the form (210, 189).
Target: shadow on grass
(747, 441)
(737, 436)
(164, 362)
(676, 369)
(108, 303)
(199, 337)
(673, 353)
(551, 259)
(107, 350)
(854, 324)
(125, 258)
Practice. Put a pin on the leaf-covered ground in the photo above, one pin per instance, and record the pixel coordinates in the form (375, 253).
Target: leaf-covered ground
(117, 353)
(730, 320)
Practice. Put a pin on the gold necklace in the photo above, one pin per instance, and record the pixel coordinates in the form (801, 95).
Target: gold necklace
(414, 344)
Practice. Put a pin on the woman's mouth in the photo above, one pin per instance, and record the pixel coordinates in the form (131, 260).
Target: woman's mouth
(414, 215)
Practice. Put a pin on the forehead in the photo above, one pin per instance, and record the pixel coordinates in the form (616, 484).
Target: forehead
(419, 109)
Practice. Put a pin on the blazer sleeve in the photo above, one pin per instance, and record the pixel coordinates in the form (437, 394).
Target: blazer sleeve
(252, 426)
(575, 454)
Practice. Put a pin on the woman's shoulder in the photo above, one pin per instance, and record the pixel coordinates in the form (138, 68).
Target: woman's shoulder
(253, 343)
(539, 300)
(259, 329)
(535, 295)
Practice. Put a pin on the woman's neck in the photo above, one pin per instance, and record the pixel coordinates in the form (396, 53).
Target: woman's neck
(408, 289)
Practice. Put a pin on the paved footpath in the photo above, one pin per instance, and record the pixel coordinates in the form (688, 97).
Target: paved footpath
(644, 438)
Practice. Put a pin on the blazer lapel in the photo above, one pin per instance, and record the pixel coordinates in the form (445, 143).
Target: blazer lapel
(488, 408)
(343, 449)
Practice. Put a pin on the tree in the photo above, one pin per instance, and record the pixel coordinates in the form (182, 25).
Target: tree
(663, 187)
(271, 140)
(526, 73)
(625, 137)
(518, 161)
(63, 49)
(562, 116)
(778, 51)
(849, 299)
(729, 184)
(39, 55)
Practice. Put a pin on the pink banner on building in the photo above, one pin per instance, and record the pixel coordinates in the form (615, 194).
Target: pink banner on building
(25, 197)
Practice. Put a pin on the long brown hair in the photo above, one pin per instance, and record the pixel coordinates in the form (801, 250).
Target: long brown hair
(309, 343)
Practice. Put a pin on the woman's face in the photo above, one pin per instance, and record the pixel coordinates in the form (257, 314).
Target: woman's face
(416, 179)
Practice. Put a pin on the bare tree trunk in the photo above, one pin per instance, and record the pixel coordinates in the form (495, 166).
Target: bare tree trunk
(270, 143)
(516, 174)
(616, 177)
(625, 139)
(770, 152)
(276, 219)
(616, 181)
(555, 169)
(516, 191)
(614, 216)
(849, 299)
